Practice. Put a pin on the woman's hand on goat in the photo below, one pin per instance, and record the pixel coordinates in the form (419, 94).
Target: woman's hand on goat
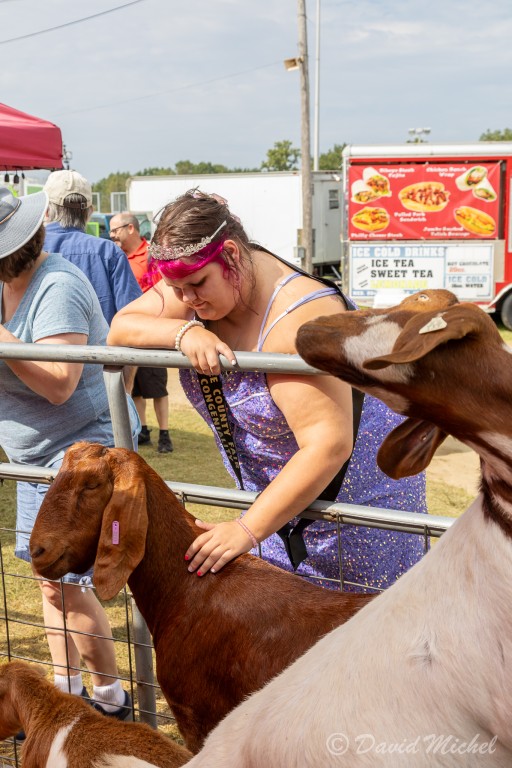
(220, 544)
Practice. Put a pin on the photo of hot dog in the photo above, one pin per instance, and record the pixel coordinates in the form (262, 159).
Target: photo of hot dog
(425, 196)
(475, 221)
(371, 219)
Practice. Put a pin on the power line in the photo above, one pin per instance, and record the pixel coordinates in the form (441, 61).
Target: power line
(69, 23)
(170, 90)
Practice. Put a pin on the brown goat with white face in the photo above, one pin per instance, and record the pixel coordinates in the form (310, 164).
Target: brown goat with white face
(63, 731)
(421, 677)
(217, 638)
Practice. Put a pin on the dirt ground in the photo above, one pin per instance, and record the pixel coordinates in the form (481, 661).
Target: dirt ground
(457, 465)
(454, 463)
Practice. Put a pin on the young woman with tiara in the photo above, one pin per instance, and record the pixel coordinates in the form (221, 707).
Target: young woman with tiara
(288, 435)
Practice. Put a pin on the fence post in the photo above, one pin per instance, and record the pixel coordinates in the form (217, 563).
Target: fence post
(114, 383)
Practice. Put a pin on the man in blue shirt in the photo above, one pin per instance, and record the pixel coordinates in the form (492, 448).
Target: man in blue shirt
(104, 263)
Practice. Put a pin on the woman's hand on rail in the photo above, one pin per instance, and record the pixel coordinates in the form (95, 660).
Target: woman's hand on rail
(202, 347)
(220, 544)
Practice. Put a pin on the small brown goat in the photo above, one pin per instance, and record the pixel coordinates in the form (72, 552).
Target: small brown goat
(63, 730)
(217, 638)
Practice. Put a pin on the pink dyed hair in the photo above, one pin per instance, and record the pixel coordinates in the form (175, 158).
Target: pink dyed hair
(179, 268)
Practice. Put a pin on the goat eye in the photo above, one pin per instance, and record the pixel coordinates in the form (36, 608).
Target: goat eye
(92, 486)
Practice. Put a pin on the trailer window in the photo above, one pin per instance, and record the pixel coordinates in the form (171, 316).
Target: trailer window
(334, 199)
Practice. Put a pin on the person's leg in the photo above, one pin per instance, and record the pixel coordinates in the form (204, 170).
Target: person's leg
(139, 399)
(161, 405)
(144, 436)
(84, 614)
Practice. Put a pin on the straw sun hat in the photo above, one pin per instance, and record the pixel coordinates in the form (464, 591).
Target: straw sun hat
(20, 218)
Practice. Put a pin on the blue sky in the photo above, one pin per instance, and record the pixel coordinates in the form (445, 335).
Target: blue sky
(160, 81)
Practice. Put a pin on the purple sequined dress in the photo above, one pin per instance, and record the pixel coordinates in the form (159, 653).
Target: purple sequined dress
(264, 443)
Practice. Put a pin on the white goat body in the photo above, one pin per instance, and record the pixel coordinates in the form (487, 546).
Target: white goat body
(422, 676)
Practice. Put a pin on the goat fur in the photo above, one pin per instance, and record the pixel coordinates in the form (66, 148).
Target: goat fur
(217, 638)
(421, 677)
(63, 731)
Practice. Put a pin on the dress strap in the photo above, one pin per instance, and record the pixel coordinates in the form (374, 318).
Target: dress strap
(278, 287)
(318, 294)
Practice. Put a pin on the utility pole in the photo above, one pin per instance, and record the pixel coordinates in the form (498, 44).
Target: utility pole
(307, 178)
(316, 128)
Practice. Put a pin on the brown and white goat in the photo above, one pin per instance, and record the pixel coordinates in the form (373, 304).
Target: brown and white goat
(63, 731)
(217, 638)
(421, 677)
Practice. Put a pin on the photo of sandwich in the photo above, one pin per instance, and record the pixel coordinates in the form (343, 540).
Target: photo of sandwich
(377, 182)
(471, 178)
(362, 193)
(371, 219)
(484, 191)
(475, 221)
(426, 196)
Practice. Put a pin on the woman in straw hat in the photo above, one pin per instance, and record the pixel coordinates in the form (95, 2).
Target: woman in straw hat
(45, 407)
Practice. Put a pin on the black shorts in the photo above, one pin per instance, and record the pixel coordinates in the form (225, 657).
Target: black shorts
(150, 383)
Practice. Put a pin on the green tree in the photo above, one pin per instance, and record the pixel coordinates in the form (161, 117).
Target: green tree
(282, 157)
(186, 168)
(504, 135)
(331, 160)
(114, 182)
(156, 172)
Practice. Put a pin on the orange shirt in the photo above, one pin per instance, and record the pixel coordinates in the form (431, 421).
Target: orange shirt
(139, 263)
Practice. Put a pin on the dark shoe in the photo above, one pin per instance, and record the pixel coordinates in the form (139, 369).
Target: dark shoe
(165, 443)
(144, 437)
(123, 713)
(20, 736)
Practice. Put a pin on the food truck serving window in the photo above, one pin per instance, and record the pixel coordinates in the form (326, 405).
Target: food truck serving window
(424, 201)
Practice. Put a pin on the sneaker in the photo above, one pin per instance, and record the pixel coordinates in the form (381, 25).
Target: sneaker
(144, 436)
(123, 713)
(165, 443)
(20, 736)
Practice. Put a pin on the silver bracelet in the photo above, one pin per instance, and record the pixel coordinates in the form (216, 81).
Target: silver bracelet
(182, 331)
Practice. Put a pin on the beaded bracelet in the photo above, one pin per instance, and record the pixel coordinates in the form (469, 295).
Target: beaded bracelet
(250, 534)
(182, 331)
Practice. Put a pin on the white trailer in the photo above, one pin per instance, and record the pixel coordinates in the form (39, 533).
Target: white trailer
(268, 204)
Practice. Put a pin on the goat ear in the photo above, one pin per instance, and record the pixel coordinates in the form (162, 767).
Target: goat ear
(125, 520)
(416, 340)
(409, 448)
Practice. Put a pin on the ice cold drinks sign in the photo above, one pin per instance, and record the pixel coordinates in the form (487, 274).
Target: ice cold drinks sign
(464, 268)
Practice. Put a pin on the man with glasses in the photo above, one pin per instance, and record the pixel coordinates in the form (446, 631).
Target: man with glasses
(106, 266)
(150, 383)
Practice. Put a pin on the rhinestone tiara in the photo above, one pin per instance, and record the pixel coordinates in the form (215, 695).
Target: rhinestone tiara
(172, 253)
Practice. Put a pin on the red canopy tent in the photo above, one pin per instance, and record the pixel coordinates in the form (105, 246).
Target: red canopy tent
(27, 142)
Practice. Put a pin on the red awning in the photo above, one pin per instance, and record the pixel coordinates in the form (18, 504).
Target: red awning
(27, 142)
